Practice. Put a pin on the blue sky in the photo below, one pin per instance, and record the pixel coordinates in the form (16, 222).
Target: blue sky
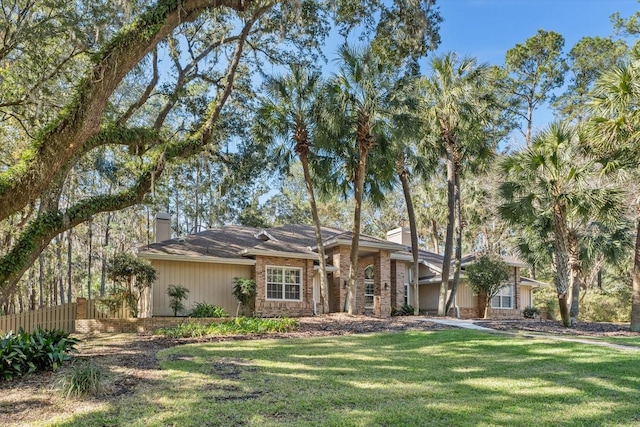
(486, 29)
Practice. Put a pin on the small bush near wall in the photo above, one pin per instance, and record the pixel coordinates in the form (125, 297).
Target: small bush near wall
(546, 299)
(530, 312)
(405, 310)
(239, 326)
(202, 309)
(25, 353)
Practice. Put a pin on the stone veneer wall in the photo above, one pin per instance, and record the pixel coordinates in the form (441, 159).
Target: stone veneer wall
(269, 308)
(339, 259)
(398, 271)
(382, 284)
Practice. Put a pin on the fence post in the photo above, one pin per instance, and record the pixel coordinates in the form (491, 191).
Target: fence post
(81, 312)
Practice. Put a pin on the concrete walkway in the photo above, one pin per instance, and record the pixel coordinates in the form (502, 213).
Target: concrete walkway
(459, 323)
(467, 324)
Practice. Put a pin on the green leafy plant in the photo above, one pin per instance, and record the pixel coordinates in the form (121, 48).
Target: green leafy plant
(487, 276)
(530, 312)
(81, 380)
(238, 326)
(245, 292)
(24, 353)
(177, 294)
(133, 276)
(202, 309)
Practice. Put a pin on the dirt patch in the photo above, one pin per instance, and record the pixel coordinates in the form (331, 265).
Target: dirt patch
(131, 360)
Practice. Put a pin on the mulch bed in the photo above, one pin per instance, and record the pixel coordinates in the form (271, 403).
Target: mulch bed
(556, 328)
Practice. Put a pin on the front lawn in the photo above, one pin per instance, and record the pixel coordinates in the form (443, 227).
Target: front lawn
(444, 378)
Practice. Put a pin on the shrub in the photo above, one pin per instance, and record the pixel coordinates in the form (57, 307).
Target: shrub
(487, 275)
(133, 275)
(598, 306)
(25, 353)
(177, 294)
(238, 326)
(405, 310)
(245, 292)
(530, 312)
(202, 309)
(547, 299)
(82, 379)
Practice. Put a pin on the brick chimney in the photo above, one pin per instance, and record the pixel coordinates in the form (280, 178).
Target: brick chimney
(400, 235)
(162, 227)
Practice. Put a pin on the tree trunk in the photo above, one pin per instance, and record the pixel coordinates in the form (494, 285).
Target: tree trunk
(434, 236)
(32, 289)
(448, 243)
(529, 125)
(69, 264)
(89, 262)
(324, 285)
(560, 262)
(414, 240)
(59, 274)
(105, 247)
(358, 190)
(41, 280)
(635, 298)
(575, 280)
(458, 239)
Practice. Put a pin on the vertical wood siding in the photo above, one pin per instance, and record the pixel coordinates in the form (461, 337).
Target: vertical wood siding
(525, 296)
(207, 282)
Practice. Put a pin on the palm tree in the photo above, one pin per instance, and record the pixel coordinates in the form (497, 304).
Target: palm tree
(614, 130)
(289, 114)
(552, 190)
(355, 122)
(455, 110)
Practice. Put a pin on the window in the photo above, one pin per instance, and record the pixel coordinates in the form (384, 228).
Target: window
(368, 287)
(504, 299)
(284, 283)
(406, 294)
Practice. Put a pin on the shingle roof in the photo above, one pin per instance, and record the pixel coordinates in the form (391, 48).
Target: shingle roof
(236, 241)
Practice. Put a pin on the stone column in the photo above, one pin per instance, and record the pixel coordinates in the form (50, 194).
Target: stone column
(382, 284)
(81, 308)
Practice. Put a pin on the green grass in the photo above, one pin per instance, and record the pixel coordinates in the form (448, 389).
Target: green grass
(444, 378)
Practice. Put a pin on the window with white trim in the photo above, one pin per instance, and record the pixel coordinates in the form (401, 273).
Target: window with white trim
(284, 283)
(504, 299)
(368, 287)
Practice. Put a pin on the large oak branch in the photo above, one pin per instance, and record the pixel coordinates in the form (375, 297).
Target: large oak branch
(80, 120)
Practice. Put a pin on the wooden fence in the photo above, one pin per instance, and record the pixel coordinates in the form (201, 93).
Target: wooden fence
(56, 317)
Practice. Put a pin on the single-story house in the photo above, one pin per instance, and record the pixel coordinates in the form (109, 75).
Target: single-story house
(284, 263)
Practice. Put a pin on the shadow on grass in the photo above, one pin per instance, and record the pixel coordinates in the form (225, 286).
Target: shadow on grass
(391, 379)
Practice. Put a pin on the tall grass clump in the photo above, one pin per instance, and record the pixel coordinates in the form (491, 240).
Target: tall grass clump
(84, 379)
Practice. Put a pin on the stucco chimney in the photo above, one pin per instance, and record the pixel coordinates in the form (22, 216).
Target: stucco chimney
(401, 235)
(162, 227)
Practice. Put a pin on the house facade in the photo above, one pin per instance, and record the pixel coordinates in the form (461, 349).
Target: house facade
(284, 263)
